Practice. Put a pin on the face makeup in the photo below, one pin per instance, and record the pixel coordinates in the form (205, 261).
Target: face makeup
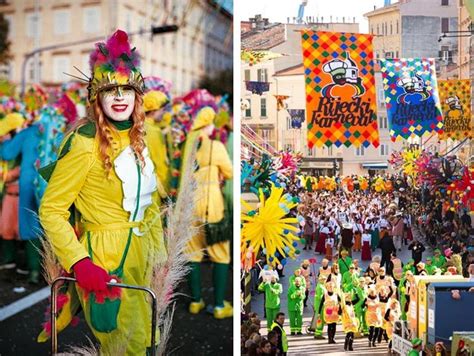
(118, 102)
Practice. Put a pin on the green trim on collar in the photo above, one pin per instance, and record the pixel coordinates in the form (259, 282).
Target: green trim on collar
(88, 130)
(122, 125)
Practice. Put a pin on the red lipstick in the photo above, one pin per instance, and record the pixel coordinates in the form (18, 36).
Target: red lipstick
(119, 107)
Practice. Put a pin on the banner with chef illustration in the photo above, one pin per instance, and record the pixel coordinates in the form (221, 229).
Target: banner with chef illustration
(411, 97)
(455, 97)
(340, 89)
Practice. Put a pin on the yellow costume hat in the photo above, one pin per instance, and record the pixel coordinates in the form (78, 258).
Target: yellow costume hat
(11, 122)
(204, 117)
(154, 100)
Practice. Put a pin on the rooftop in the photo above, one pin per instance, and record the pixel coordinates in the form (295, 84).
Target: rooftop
(382, 10)
(263, 38)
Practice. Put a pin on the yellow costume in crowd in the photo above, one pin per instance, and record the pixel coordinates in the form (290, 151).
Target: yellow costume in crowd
(213, 162)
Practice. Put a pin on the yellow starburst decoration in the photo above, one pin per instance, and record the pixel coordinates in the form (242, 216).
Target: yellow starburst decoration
(269, 227)
(409, 158)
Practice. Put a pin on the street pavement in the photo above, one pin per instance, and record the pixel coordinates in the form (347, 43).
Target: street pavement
(190, 335)
(306, 344)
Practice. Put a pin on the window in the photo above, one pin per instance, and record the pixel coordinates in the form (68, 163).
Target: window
(444, 24)
(60, 64)
(288, 147)
(372, 29)
(396, 55)
(444, 2)
(310, 151)
(360, 151)
(384, 149)
(247, 75)
(263, 107)
(265, 134)
(378, 32)
(330, 151)
(9, 19)
(262, 75)
(248, 111)
(32, 25)
(397, 27)
(62, 20)
(85, 63)
(383, 122)
(381, 97)
(128, 20)
(91, 18)
(391, 28)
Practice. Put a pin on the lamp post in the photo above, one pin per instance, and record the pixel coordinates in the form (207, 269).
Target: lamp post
(154, 30)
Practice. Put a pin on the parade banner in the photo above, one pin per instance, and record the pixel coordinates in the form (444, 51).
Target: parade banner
(411, 97)
(297, 117)
(455, 97)
(281, 101)
(340, 89)
(254, 57)
(257, 87)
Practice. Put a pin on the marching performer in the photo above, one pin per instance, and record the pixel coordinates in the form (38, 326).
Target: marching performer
(296, 295)
(213, 162)
(373, 315)
(392, 314)
(350, 322)
(331, 305)
(272, 290)
(111, 173)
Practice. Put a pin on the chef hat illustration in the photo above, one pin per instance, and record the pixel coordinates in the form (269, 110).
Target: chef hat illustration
(335, 67)
(405, 82)
(352, 72)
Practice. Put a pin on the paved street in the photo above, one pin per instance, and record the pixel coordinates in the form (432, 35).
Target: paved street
(306, 344)
(198, 335)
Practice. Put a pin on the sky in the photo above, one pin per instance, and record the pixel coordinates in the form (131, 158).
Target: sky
(279, 10)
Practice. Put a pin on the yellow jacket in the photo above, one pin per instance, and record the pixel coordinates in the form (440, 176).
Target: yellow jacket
(79, 178)
(159, 144)
(212, 166)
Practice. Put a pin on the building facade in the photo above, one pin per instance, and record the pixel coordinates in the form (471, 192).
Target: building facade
(412, 28)
(202, 45)
(286, 77)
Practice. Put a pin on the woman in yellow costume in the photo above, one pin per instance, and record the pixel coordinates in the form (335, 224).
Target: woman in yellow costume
(110, 170)
(213, 163)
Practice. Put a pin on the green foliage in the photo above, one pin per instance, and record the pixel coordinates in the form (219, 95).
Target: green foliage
(220, 84)
(5, 55)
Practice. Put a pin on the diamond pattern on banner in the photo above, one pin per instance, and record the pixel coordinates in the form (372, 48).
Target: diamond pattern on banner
(411, 96)
(341, 108)
(455, 97)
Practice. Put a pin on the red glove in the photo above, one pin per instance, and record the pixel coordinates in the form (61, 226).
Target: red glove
(91, 277)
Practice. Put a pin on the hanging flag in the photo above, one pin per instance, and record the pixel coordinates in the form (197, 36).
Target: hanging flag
(254, 57)
(280, 101)
(297, 117)
(411, 97)
(340, 89)
(455, 97)
(257, 87)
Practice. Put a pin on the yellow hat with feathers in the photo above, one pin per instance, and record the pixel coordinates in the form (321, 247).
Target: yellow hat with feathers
(11, 122)
(154, 100)
(204, 117)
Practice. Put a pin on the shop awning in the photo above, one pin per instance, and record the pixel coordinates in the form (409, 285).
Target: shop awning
(375, 165)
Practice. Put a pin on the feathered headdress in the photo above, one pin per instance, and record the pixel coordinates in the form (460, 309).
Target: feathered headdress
(114, 63)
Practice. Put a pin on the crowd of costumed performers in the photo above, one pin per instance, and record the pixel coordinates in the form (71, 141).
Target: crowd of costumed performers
(99, 179)
(426, 204)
